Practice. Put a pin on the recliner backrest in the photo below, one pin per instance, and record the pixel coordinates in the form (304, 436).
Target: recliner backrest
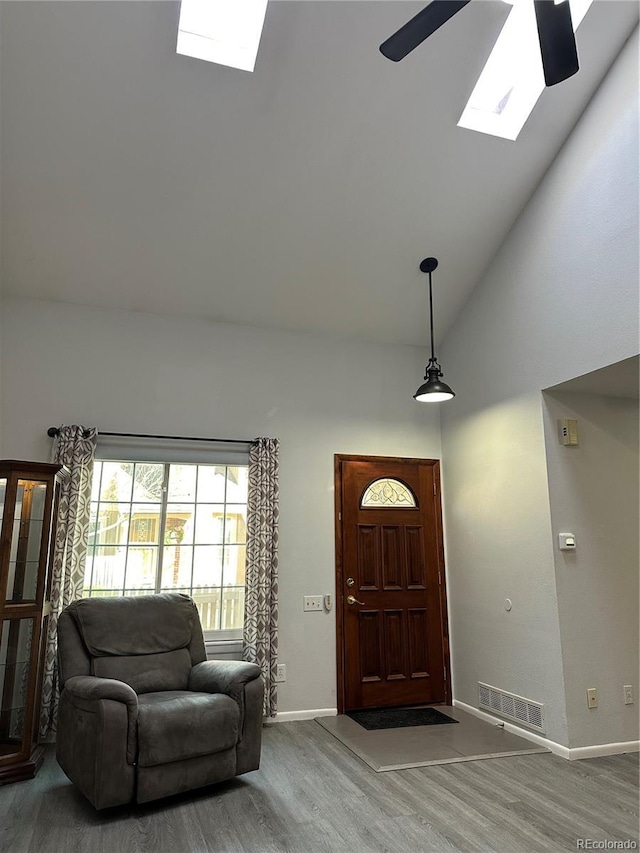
(150, 641)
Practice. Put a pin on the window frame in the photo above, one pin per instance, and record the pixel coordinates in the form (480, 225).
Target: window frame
(227, 639)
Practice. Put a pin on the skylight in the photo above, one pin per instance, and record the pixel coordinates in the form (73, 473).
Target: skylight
(223, 31)
(512, 80)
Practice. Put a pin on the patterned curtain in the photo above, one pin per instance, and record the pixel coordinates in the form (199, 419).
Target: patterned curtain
(75, 449)
(260, 637)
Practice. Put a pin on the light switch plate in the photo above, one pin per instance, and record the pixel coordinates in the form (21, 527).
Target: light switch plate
(567, 541)
(312, 602)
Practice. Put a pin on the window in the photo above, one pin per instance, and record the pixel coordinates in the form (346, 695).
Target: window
(165, 527)
(226, 32)
(387, 492)
(512, 79)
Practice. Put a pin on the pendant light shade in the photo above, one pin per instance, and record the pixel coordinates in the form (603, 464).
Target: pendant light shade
(433, 390)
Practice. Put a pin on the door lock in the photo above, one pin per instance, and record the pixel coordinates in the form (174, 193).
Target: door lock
(350, 581)
(353, 600)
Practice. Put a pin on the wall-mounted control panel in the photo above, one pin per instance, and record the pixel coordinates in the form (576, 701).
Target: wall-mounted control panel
(568, 432)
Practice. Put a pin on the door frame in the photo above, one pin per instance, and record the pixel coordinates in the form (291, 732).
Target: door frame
(339, 458)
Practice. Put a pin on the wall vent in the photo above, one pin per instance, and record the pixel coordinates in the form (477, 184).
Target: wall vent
(523, 711)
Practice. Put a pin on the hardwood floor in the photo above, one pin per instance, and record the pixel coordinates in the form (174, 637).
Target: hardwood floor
(312, 794)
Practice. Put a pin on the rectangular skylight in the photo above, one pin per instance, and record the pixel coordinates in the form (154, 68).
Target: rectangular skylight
(223, 31)
(512, 79)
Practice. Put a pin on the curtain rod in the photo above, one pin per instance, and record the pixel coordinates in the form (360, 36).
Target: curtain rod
(52, 432)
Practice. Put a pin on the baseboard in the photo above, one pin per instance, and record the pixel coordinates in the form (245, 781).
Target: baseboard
(290, 716)
(600, 749)
(574, 754)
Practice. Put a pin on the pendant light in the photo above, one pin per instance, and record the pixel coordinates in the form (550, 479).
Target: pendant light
(433, 390)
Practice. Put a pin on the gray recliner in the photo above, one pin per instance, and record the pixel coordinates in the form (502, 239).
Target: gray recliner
(142, 713)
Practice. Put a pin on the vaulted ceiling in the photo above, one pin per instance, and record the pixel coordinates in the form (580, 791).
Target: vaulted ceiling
(302, 196)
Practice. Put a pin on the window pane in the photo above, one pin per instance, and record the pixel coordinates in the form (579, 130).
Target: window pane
(88, 566)
(108, 567)
(207, 565)
(141, 568)
(235, 528)
(176, 566)
(38, 496)
(15, 538)
(232, 608)
(34, 541)
(179, 527)
(387, 492)
(95, 481)
(208, 603)
(117, 481)
(145, 524)
(234, 565)
(110, 526)
(211, 483)
(203, 544)
(182, 483)
(148, 481)
(237, 484)
(104, 593)
(22, 581)
(183, 590)
(15, 663)
(209, 524)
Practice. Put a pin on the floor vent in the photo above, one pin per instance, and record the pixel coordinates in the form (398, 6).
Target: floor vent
(523, 711)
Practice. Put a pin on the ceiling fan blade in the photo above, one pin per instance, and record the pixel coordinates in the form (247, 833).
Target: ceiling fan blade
(557, 40)
(415, 31)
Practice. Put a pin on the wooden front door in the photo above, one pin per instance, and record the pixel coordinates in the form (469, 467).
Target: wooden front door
(391, 602)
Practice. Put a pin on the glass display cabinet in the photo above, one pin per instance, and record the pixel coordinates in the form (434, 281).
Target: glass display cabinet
(28, 508)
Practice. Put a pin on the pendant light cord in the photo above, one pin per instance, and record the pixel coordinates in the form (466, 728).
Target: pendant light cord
(433, 354)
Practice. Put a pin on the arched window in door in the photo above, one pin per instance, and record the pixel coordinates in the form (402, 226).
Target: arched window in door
(387, 492)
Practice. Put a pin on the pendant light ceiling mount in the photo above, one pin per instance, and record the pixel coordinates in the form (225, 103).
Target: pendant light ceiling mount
(433, 390)
(428, 265)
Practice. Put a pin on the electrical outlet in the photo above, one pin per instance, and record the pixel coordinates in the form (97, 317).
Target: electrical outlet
(628, 694)
(312, 602)
(592, 697)
(281, 672)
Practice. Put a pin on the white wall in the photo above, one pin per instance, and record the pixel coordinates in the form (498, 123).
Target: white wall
(560, 299)
(594, 495)
(131, 372)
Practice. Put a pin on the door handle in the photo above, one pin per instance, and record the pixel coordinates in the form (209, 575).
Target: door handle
(351, 599)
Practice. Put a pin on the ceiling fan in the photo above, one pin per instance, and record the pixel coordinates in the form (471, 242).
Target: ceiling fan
(555, 32)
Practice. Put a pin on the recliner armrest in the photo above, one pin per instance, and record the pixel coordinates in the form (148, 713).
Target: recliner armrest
(223, 676)
(90, 688)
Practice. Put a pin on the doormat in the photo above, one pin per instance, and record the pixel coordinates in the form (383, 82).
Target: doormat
(398, 718)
